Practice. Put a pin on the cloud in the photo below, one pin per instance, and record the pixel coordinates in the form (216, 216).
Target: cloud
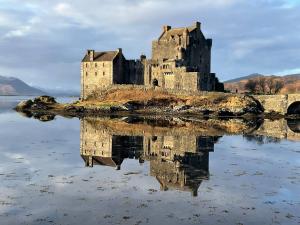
(43, 41)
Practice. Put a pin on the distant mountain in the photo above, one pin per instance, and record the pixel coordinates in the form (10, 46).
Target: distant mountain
(248, 77)
(15, 86)
(291, 83)
(60, 92)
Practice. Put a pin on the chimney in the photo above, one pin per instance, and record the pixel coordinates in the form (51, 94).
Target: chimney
(198, 25)
(119, 50)
(91, 54)
(166, 28)
(143, 57)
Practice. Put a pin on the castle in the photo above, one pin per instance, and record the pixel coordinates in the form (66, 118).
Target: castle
(181, 60)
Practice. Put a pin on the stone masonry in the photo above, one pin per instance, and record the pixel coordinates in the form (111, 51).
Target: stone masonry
(181, 60)
(282, 104)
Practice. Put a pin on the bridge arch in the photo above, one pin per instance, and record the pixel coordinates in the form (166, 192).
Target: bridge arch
(294, 108)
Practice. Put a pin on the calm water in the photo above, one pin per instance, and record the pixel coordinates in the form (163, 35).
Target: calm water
(133, 171)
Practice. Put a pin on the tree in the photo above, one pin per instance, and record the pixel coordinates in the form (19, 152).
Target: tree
(251, 85)
(262, 84)
(278, 86)
(271, 84)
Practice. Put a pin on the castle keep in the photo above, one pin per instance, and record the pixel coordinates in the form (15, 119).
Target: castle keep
(181, 60)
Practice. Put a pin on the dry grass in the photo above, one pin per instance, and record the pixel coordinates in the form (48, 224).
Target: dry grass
(160, 98)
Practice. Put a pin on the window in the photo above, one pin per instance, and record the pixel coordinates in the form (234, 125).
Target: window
(96, 65)
(103, 64)
(86, 65)
(103, 73)
(86, 73)
(95, 73)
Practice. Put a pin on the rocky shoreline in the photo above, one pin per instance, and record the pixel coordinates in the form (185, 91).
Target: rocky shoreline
(232, 106)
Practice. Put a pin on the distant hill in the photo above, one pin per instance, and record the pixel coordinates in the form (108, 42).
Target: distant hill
(61, 92)
(291, 83)
(15, 86)
(248, 77)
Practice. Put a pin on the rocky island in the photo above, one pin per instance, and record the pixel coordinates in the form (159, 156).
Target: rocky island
(146, 102)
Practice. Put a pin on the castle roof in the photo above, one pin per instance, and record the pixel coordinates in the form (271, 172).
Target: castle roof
(102, 56)
(177, 31)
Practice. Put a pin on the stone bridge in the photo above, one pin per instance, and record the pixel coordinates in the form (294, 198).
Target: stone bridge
(283, 104)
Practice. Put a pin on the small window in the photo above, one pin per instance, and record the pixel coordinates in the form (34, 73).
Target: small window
(103, 64)
(86, 73)
(95, 73)
(86, 65)
(103, 73)
(96, 65)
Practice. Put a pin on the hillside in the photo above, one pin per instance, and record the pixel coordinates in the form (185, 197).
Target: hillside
(15, 86)
(291, 83)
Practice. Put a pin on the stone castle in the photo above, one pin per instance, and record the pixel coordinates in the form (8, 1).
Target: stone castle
(181, 60)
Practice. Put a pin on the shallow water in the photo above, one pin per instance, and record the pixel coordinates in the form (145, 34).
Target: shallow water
(128, 171)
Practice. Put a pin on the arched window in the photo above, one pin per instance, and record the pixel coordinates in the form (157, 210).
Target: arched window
(155, 82)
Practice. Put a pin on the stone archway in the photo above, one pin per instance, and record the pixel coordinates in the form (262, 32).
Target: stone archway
(294, 108)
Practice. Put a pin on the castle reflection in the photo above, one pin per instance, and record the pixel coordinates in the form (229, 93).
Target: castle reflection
(178, 161)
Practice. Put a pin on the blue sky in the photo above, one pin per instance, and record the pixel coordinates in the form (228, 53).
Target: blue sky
(42, 42)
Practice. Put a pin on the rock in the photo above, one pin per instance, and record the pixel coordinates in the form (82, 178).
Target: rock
(133, 105)
(45, 100)
(181, 107)
(39, 106)
(44, 117)
(118, 108)
(23, 105)
(74, 109)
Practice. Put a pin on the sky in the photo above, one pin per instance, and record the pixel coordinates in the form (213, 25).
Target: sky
(43, 41)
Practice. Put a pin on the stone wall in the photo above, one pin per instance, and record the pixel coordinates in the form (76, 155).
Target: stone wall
(95, 75)
(134, 72)
(291, 98)
(273, 103)
(277, 103)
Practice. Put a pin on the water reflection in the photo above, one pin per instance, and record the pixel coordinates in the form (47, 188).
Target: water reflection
(294, 125)
(177, 161)
(177, 150)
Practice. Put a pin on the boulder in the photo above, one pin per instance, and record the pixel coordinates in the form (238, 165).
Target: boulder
(23, 105)
(45, 100)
